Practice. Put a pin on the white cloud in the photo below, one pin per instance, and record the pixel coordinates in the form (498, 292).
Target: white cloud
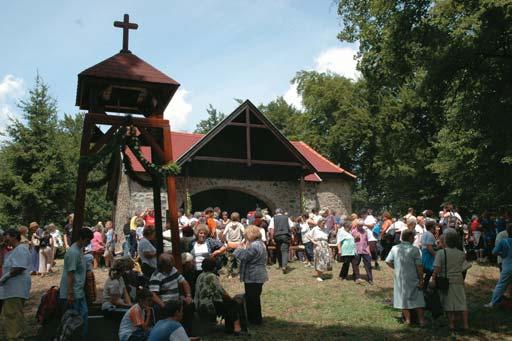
(11, 89)
(292, 97)
(339, 60)
(178, 110)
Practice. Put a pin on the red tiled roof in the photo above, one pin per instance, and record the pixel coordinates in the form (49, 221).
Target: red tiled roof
(181, 142)
(130, 67)
(321, 163)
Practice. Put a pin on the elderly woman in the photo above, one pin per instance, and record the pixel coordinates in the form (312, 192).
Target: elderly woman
(147, 252)
(322, 253)
(15, 285)
(405, 260)
(97, 244)
(212, 300)
(116, 299)
(205, 246)
(362, 252)
(449, 264)
(504, 249)
(253, 258)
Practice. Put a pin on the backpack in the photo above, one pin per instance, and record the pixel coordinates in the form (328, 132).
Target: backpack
(48, 307)
(70, 326)
(453, 222)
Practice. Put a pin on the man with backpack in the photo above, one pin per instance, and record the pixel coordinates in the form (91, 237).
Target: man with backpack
(73, 276)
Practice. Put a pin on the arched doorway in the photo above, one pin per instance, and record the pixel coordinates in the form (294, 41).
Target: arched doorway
(228, 200)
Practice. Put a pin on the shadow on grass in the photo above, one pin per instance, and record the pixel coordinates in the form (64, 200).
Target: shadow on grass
(485, 323)
(277, 329)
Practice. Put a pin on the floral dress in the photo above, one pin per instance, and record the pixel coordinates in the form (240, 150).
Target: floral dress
(322, 253)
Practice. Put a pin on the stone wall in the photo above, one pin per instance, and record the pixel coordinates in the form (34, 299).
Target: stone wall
(334, 193)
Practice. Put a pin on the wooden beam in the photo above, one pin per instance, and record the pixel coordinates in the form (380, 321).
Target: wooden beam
(301, 194)
(123, 120)
(157, 206)
(252, 125)
(81, 183)
(171, 200)
(155, 147)
(103, 139)
(254, 162)
(248, 136)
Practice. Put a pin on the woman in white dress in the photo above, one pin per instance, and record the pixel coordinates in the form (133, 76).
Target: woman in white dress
(322, 253)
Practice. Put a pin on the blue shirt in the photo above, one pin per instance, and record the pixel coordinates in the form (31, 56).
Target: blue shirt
(167, 329)
(74, 262)
(504, 249)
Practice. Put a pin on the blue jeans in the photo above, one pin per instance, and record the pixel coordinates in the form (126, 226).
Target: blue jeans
(503, 283)
(126, 246)
(80, 306)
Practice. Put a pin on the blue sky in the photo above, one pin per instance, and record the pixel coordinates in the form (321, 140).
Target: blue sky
(217, 50)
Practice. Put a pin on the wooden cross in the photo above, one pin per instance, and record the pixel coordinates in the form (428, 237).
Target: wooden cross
(126, 25)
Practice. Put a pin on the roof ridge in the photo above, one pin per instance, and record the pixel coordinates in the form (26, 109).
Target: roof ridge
(186, 133)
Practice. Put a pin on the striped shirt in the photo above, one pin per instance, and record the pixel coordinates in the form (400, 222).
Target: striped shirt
(166, 284)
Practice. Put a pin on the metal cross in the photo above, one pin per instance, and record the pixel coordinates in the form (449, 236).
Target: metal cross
(126, 25)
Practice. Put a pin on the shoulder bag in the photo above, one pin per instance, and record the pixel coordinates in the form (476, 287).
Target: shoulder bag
(442, 283)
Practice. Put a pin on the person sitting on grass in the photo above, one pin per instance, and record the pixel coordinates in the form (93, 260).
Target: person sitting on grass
(211, 300)
(322, 253)
(170, 328)
(137, 321)
(405, 260)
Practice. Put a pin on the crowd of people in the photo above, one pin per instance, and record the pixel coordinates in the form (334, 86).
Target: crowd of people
(152, 300)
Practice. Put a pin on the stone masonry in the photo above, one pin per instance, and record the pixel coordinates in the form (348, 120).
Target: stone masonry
(331, 193)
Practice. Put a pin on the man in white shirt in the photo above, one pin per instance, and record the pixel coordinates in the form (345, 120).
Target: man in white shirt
(369, 223)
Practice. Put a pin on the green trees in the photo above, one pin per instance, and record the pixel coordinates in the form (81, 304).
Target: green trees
(445, 68)
(39, 163)
(214, 117)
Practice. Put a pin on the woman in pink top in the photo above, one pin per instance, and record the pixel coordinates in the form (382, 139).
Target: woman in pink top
(97, 245)
(362, 252)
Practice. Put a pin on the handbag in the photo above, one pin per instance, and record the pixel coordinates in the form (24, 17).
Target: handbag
(442, 283)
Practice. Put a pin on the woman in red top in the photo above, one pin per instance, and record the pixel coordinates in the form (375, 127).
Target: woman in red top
(476, 233)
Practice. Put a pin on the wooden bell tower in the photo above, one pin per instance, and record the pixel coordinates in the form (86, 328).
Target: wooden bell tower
(124, 91)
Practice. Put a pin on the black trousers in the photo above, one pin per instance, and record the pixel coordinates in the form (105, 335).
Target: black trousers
(347, 260)
(253, 302)
(282, 247)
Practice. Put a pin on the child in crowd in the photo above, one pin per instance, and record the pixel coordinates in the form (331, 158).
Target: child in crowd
(233, 233)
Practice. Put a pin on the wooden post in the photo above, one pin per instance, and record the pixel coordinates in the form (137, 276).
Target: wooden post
(186, 203)
(81, 183)
(248, 136)
(171, 200)
(301, 193)
(157, 206)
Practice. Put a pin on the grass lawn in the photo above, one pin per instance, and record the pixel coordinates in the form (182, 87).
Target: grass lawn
(297, 307)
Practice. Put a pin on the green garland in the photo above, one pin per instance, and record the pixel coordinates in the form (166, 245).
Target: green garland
(122, 138)
(163, 171)
(128, 169)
